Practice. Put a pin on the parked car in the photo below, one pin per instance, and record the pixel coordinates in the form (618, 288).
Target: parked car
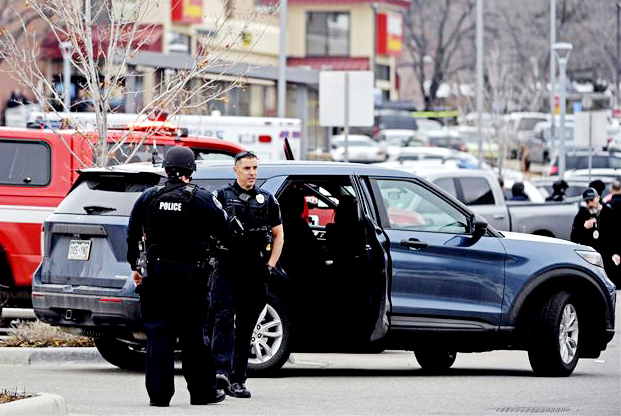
(394, 140)
(577, 162)
(480, 190)
(576, 186)
(470, 136)
(403, 265)
(445, 138)
(359, 149)
(37, 169)
(412, 158)
(425, 125)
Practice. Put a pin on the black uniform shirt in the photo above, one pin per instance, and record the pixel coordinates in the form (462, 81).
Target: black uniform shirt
(213, 224)
(260, 197)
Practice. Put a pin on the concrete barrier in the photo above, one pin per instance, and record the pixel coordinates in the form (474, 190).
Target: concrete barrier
(41, 404)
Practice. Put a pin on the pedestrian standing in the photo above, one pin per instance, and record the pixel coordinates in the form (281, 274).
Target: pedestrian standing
(240, 288)
(615, 197)
(175, 223)
(597, 225)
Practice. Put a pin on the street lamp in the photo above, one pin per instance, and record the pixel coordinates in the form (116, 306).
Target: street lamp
(65, 50)
(562, 50)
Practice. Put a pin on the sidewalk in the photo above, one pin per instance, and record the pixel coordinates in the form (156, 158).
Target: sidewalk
(44, 403)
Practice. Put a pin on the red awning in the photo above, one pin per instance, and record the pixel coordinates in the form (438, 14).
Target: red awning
(148, 37)
(332, 63)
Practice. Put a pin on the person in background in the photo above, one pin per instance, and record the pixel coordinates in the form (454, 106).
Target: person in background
(517, 192)
(599, 186)
(558, 191)
(614, 196)
(598, 226)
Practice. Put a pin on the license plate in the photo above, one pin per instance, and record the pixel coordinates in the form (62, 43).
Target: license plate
(79, 250)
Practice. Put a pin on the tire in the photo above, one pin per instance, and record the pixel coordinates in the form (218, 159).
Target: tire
(435, 361)
(121, 354)
(554, 346)
(271, 338)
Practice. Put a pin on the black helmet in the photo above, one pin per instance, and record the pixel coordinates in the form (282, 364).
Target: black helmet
(179, 157)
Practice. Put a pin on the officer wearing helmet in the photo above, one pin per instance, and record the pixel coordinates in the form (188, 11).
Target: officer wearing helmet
(596, 225)
(175, 224)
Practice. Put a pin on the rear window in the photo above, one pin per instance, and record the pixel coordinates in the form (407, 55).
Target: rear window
(24, 163)
(107, 194)
(476, 191)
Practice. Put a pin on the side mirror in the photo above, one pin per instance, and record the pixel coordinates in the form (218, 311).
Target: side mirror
(479, 225)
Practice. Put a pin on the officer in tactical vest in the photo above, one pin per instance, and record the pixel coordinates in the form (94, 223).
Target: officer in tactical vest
(174, 225)
(239, 290)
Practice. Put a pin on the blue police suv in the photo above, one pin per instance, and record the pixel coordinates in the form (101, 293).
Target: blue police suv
(373, 259)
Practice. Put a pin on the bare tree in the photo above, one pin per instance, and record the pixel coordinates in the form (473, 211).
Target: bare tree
(100, 37)
(438, 36)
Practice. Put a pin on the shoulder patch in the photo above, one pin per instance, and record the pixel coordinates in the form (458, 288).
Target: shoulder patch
(214, 197)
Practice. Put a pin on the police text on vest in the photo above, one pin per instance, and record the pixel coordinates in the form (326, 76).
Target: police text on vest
(170, 206)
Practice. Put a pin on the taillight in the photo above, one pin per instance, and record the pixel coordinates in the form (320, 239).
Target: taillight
(265, 139)
(554, 170)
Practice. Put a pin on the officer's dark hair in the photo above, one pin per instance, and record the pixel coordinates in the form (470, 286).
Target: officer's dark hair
(245, 154)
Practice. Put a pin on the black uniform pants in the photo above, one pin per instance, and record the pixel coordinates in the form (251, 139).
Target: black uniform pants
(174, 302)
(238, 297)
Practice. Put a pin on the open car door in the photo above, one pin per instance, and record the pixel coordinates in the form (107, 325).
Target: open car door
(376, 276)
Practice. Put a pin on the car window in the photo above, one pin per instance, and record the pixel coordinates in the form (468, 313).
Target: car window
(24, 163)
(477, 191)
(107, 193)
(410, 206)
(447, 184)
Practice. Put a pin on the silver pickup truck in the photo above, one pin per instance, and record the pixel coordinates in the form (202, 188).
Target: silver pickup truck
(480, 190)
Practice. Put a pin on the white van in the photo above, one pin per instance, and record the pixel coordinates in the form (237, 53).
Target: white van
(262, 135)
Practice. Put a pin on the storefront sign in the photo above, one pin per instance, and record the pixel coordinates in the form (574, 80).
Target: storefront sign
(389, 34)
(187, 11)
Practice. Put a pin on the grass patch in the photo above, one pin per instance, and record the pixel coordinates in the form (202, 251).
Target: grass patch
(7, 396)
(39, 334)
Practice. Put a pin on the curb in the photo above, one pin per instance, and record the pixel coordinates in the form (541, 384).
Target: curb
(49, 355)
(41, 404)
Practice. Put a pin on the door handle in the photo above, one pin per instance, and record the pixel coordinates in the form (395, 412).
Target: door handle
(414, 243)
(499, 216)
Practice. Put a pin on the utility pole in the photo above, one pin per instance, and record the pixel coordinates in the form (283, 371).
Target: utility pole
(479, 69)
(552, 69)
(282, 60)
(617, 97)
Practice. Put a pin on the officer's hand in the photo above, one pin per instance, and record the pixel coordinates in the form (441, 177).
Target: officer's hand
(137, 277)
(272, 270)
(616, 258)
(589, 223)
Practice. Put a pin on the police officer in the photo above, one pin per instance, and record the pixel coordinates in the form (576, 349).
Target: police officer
(175, 222)
(239, 290)
(596, 225)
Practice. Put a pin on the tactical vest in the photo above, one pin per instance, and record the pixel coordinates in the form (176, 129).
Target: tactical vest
(251, 210)
(170, 224)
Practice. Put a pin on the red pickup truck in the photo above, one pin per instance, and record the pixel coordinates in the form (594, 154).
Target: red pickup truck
(37, 169)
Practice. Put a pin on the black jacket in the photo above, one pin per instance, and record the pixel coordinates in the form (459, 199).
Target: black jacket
(205, 219)
(608, 227)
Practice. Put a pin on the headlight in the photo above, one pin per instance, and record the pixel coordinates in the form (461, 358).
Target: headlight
(592, 257)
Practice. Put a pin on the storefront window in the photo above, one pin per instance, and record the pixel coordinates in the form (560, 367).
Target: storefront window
(327, 34)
